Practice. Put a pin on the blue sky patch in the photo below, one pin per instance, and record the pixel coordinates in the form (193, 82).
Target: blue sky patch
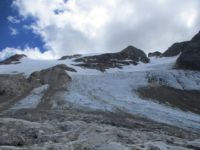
(14, 32)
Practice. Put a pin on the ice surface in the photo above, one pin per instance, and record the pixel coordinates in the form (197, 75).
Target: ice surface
(32, 100)
(117, 92)
(116, 89)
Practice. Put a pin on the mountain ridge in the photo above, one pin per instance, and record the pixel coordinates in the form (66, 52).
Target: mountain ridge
(122, 100)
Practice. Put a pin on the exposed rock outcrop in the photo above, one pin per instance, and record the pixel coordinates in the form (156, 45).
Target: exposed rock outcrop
(12, 88)
(16, 87)
(189, 53)
(13, 85)
(70, 56)
(15, 59)
(56, 77)
(187, 100)
(129, 55)
(155, 54)
(177, 48)
(189, 60)
(190, 56)
(196, 38)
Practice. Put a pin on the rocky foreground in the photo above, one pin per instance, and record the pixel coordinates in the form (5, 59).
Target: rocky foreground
(62, 130)
(113, 101)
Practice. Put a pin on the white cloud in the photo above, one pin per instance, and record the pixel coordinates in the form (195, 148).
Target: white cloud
(33, 53)
(13, 19)
(13, 31)
(81, 26)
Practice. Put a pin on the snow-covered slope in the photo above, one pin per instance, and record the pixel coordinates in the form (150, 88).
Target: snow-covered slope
(97, 110)
(117, 92)
(116, 89)
(27, 66)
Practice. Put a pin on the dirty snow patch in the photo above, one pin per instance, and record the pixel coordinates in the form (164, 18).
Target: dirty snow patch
(32, 100)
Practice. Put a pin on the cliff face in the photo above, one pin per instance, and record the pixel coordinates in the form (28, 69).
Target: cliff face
(189, 53)
(185, 46)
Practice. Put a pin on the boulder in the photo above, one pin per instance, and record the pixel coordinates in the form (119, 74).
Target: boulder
(155, 54)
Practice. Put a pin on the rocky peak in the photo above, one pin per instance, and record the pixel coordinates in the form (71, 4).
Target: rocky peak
(189, 53)
(129, 55)
(70, 56)
(129, 49)
(189, 60)
(15, 59)
(155, 54)
(134, 53)
(177, 48)
(196, 37)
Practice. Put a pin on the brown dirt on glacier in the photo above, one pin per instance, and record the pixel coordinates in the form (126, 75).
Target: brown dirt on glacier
(187, 100)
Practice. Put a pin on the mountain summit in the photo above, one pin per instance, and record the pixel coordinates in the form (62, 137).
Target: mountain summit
(196, 38)
(129, 55)
(189, 53)
(177, 48)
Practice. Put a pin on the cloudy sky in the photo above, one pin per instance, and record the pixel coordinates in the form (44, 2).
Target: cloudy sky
(52, 28)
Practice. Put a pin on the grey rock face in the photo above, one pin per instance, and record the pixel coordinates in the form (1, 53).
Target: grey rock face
(155, 54)
(186, 100)
(65, 67)
(16, 87)
(70, 56)
(13, 85)
(15, 59)
(177, 48)
(196, 37)
(190, 56)
(129, 55)
(189, 60)
(56, 77)
(189, 53)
